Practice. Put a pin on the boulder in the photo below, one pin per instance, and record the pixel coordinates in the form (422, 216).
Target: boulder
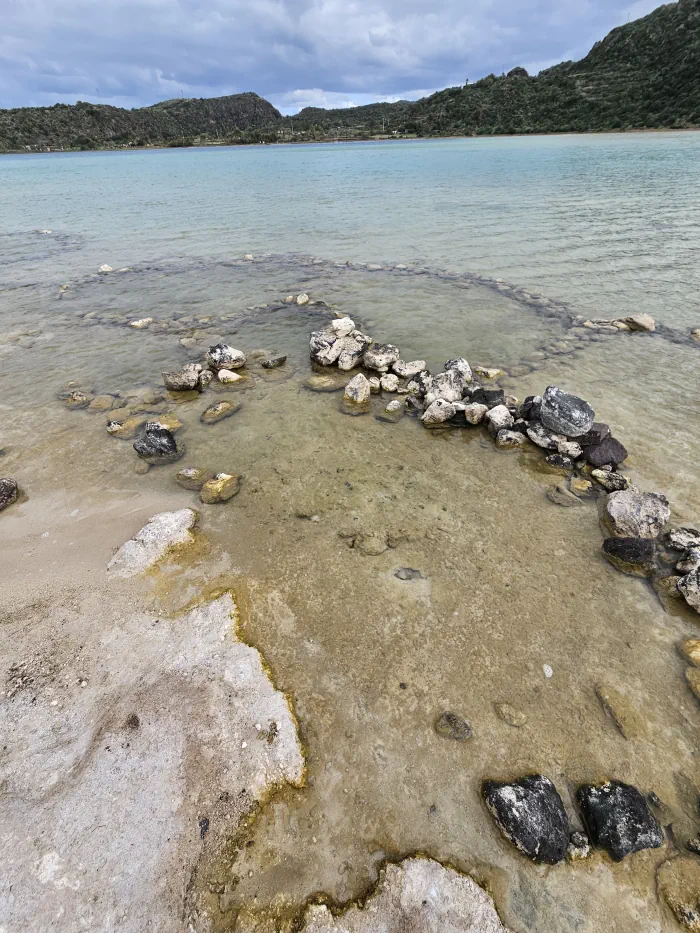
(678, 882)
(609, 450)
(408, 370)
(218, 411)
(451, 726)
(610, 480)
(221, 488)
(447, 386)
(358, 391)
(158, 445)
(438, 412)
(193, 478)
(643, 322)
(380, 356)
(634, 514)
(682, 539)
(565, 414)
(487, 396)
(530, 814)
(510, 440)
(689, 588)
(461, 366)
(9, 491)
(184, 381)
(474, 413)
(635, 556)
(498, 419)
(324, 346)
(159, 535)
(618, 818)
(222, 356)
(352, 350)
(389, 383)
(273, 362)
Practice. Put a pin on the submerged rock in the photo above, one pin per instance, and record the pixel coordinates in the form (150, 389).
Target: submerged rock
(160, 534)
(678, 881)
(565, 414)
(666, 588)
(623, 711)
(380, 356)
(320, 382)
(193, 478)
(691, 562)
(692, 676)
(510, 715)
(618, 819)
(634, 514)
(579, 847)
(222, 356)
(273, 362)
(221, 488)
(128, 428)
(690, 650)
(158, 445)
(102, 403)
(9, 490)
(530, 814)
(635, 556)
(78, 399)
(510, 440)
(558, 463)
(451, 726)
(580, 487)
(560, 495)
(358, 391)
(486, 373)
(218, 411)
(184, 381)
(689, 588)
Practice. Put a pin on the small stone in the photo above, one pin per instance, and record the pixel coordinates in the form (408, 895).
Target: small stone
(530, 408)
(643, 322)
(530, 814)
(380, 356)
(408, 573)
(510, 715)
(510, 440)
(580, 487)
(104, 269)
(158, 446)
(9, 491)
(438, 412)
(408, 370)
(618, 819)
(613, 482)
(499, 419)
(303, 299)
(273, 362)
(357, 391)
(560, 495)
(558, 463)
(220, 489)
(375, 385)
(228, 378)
(389, 383)
(77, 400)
(690, 650)
(193, 478)
(205, 378)
(634, 514)
(692, 676)
(320, 382)
(222, 356)
(579, 847)
(695, 335)
(565, 414)
(218, 411)
(169, 421)
(452, 726)
(487, 373)
(622, 711)
(184, 381)
(678, 882)
(141, 323)
(634, 556)
(395, 405)
(475, 413)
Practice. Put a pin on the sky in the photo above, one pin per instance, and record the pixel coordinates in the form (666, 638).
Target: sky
(296, 53)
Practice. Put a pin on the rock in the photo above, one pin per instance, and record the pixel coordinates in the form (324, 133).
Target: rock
(222, 356)
(530, 408)
(395, 405)
(141, 323)
(104, 269)
(510, 715)
(193, 478)
(408, 573)
(169, 421)
(622, 711)
(565, 414)
(635, 556)
(613, 482)
(303, 299)
(618, 819)
(158, 536)
(380, 356)
(205, 378)
(570, 449)
(393, 412)
(416, 896)
(666, 588)
(141, 468)
(389, 383)
(543, 438)
(597, 434)
(560, 495)
(498, 419)
(77, 400)
(343, 327)
(690, 650)
(474, 413)
(375, 385)
(438, 412)
(678, 881)
(408, 370)
(184, 381)
(580, 487)
(325, 346)
(693, 845)
(683, 539)
(695, 335)
(220, 489)
(692, 676)
(691, 562)
(579, 847)
(322, 383)
(102, 403)
(530, 814)
(158, 446)
(357, 391)
(228, 378)
(451, 726)
(273, 362)
(487, 396)
(609, 450)
(352, 350)
(487, 373)
(9, 491)
(447, 386)
(510, 440)
(634, 514)
(461, 366)
(557, 463)
(127, 429)
(218, 411)
(643, 322)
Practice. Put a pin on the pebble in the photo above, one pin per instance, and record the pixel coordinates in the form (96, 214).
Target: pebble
(218, 411)
(451, 726)
(510, 715)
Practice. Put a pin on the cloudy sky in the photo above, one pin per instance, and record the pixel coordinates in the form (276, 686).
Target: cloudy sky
(296, 53)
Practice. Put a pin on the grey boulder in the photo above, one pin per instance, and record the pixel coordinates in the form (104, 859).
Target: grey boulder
(630, 513)
(565, 414)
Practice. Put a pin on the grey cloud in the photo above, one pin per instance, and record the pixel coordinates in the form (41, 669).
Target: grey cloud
(291, 51)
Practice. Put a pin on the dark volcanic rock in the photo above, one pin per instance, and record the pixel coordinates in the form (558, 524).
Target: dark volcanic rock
(488, 396)
(530, 408)
(273, 362)
(530, 814)
(158, 445)
(618, 818)
(596, 435)
(451, 726)
(565, 414)
(631, 555)
(8, 492)
(608, 451)
(558, 463)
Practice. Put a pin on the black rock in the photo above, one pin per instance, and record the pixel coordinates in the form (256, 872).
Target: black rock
(596, 435)
(564, 413)
(618, 818)
(530, 814)
(488, 396)
(8, 492)
(530, 407)
(452, 726)
(273, 362)
(158, 445)
(558, 463)
(631, 555)
(608, 451)
(520, 425)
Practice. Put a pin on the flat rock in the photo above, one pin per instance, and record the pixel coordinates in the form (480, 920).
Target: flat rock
(530, 814)
(273, 362)
(416, 896)
(618, 818)
(158, 536)
(634, 514)
(678, 882)
(451, 726)
(408, 370)
(127, 429)
(682, 539)
(622, 711)
(560, 495)
(634, 556)
(319, 382)
(563, 413)
(102, 403)
(223, 356)
(9, 491)
(643, 322)
(221, 488)
(218, 411)
(193, 478)
(487, 396)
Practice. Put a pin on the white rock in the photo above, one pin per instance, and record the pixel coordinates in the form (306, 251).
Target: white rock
(374, 385)
(630, 513)
(499, 419)
(343, 327)
(510, 440)
(640, 322)
(141, 323)
(227, 377)
(352, 349)
(438, 412)
(569, 449)
(539, 435)
(303, 299)
(395, 405)
(222, 356)
(105, 268)
(461, 366)
(161, 533)
(390, 383)
(380, 356)
(248, 257)
(689, 587)
(447, 386)
(358, 390)
(487, 373)
(408, 370)
(475, 413)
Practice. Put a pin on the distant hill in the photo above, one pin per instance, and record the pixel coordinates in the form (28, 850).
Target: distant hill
(98, 126)
(643, 74)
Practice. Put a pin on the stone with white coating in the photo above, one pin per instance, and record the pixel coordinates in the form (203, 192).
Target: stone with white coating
(408, 370)
(475, 413)
(689, 588)
(643, 322)
(634, 514)
(461, 366)
(158, 536)
(618, 819)
(358, 390)
(499, 419)
(380, 356)
(343, 327)
(222, 356)
(352, 350)
(564, 413)
(682, 539)
(438, 412)
(542, 437)
(389, 382)
(227, 377)
(8, 492)
(184, 381)
(530, 814)
(448, 386)
(510, 440)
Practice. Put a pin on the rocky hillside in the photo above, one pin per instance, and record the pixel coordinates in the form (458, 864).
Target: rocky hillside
(97, 126)
(643, 74)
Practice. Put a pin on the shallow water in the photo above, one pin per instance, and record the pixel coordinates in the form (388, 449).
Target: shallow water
(505, 242)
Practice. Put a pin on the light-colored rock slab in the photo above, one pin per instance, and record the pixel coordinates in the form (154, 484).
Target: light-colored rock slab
(161, 533)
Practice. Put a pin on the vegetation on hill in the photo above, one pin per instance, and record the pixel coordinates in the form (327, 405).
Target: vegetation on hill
(645, 74)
